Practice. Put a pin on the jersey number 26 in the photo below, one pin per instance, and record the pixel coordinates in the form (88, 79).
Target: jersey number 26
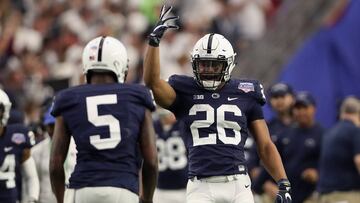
(221, 124)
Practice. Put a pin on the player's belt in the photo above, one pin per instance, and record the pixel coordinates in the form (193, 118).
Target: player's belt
(222, 179)
(218, 179)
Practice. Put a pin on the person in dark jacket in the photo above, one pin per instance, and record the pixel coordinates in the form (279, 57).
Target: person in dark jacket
(299, 147)
(339, 179)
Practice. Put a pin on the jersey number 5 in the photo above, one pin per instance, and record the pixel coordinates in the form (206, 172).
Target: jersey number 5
(92, 104)
(221, 124)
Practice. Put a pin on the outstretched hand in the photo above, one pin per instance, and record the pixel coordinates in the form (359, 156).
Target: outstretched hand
(161, 26)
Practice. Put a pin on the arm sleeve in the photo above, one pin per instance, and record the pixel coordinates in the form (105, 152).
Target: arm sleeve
(31, 177)
(259, 93)
(149, 99)
(29, 139)
(255, 113)
(59, 104)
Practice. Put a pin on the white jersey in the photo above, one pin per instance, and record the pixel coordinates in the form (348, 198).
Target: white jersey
(70, 161)
(41, 155)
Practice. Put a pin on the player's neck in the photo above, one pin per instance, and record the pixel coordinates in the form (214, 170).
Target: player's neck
(101, 80)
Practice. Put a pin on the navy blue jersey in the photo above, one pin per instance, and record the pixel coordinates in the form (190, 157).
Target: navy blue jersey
(299, 149)
(105, 122)
(13, 141)
(216, 123)
(338, 171)
(172, 157)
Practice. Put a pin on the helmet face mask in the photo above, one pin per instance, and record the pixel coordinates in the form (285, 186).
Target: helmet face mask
(209, 72)
(212, 60)
(105, 54)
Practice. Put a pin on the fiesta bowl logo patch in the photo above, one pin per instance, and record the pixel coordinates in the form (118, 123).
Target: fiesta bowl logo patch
(246, 87)
(18, 138)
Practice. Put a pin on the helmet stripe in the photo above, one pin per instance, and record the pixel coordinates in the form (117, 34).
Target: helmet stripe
(209, 43)
(100, 48)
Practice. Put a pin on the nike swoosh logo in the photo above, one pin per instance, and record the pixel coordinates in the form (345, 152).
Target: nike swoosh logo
(231, 98)
(246, 186)
(6, 149)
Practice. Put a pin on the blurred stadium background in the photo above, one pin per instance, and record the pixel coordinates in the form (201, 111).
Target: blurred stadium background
(312, 45)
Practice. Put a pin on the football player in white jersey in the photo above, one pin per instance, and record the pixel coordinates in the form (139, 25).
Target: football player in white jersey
(41, 155)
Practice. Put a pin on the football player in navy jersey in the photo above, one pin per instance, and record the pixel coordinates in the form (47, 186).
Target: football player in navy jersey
(111, 124)
(15, 143)
(217, 113)
(172, 159)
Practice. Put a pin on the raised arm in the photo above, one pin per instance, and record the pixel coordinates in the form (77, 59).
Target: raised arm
(149, 171)
(164, 94)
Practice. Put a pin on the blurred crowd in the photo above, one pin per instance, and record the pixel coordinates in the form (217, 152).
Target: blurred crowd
(41, 40)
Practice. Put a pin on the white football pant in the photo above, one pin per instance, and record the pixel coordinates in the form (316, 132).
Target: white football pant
(169, 196)
(214, 190)
(100, 194)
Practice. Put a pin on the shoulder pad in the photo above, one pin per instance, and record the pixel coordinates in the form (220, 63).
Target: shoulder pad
(148, 97)
(57, 104)
(21, 134)
(253, 88)
(181, 82)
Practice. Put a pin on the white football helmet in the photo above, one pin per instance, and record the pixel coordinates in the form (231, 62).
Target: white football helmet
(106, 54)
(212, 50)
(5, 106)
